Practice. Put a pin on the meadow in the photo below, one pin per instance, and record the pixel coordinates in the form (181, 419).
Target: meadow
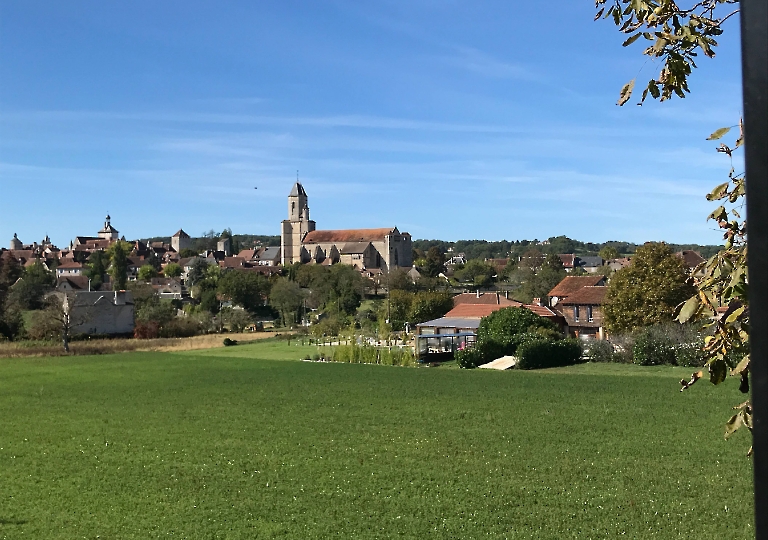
(248, 442)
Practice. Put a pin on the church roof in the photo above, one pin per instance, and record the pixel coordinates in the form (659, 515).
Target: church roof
(297, 190)
(348, 235)
(355, 247)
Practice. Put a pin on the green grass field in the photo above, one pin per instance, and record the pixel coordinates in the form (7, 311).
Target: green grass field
(239, 443)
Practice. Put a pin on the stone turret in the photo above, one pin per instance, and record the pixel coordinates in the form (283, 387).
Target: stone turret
(16, 243)
(108, 232)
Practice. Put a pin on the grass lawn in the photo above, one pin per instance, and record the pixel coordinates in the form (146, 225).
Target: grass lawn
(239, 443)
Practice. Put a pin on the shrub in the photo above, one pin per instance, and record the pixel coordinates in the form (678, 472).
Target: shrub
(487, 350)
(146, 330)
(229, 342)
(180, 327)
(316, 357)
(653, 348)
(602, 351)
(469, 358)
(538, 354)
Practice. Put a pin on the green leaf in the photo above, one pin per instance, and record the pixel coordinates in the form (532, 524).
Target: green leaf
(626, 92)
(719, 192)
(717, 370)
(719, 214)
(718, 134)
(631, 40)
(744, 364)
(689, 309)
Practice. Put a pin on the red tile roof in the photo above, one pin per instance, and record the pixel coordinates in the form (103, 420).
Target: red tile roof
(542, 311)
(348, 235)
(571, 284)
(473, 311)
(70, 264)
(586, 296)
(484, 298)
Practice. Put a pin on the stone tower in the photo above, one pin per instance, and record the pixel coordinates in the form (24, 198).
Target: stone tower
(108, 232)
(16, 243)
(181, 240)
(296, 226)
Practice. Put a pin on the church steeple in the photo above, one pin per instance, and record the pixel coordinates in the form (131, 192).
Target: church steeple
(298, 207)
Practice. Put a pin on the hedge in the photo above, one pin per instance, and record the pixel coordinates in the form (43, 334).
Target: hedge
(540, 354)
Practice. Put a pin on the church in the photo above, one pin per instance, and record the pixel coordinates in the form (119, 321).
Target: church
(366, 249)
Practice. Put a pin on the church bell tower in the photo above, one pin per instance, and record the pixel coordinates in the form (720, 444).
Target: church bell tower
(296, 226)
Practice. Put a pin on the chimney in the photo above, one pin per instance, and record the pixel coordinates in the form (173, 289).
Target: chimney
(506, 295)
(536, 301)
(478, 293)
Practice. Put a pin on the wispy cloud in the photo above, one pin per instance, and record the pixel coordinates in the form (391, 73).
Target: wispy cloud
(476, 61)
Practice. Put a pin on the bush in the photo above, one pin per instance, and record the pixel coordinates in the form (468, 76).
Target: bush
(469, 358)
(229, 342)
(146, 330)
(690, 354)
(487, 350)
(601, 350)
(181, 327)
(653, 348)
(538, 354)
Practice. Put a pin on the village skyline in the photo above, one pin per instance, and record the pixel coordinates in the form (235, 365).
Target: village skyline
(469, 126)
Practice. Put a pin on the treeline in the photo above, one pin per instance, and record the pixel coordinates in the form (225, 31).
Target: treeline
(483, 249)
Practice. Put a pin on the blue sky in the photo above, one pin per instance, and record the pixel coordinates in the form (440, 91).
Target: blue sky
(448, 119)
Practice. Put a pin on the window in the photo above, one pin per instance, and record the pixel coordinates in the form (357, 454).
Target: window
(576, 313)
(589, 314)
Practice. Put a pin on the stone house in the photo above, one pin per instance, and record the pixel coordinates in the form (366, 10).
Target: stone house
(572, 284)
(583, 312)
(99, 312)
(69, 269)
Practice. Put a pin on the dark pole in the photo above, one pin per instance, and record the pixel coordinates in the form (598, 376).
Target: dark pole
(754, 63)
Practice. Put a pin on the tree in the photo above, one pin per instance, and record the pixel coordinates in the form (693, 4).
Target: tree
(172, 270)
(608, 253)
(286, 297)
(29, 291)
(96, 268)
(237, 319)
(477, 272)
(505, 323)
(118, 268)
(428, 305)
(147, 272)
(648, 291)
(197, 271)
(246, 289)
(435, 263)
(187, 253)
